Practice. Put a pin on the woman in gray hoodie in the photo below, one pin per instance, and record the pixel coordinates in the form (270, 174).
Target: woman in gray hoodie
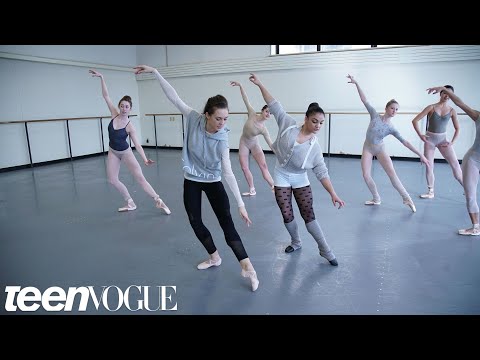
(297, 150)
(205, 157)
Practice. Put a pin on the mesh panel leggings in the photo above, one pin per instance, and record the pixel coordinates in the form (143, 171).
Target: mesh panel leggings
(217, 196)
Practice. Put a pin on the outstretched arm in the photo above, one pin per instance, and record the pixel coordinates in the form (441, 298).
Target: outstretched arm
(321, 172)
(417, 118)
(133, 135)
(266, 95)
(327, 184)
(409, 146)
(113, 108)
(267, 138)
(250, 109)
(470, 112)
(166, 87)
(233, 185)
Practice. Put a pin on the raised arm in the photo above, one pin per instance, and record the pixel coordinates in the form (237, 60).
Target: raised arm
(457, 101)
(276, 109)
(113, 108)
(250, 109)
(133, 135)
(417, 118)
(266, 95)
(360, 91)
(166, 87)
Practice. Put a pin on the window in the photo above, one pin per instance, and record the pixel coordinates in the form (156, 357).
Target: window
(343, 47)
(296, 49)
(389, 45)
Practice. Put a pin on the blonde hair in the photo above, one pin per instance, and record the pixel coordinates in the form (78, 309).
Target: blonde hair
(393, 101)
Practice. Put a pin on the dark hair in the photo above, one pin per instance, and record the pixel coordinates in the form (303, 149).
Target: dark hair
(264, 107)
(393, 101)
(314, 108)
(215, 102)
(448, 87)
(127, 99)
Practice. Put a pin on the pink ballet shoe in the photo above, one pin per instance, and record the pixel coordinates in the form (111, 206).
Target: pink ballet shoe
(130, 206)
(161, 205)
(209, 263)
(253, 278)
(252, 192)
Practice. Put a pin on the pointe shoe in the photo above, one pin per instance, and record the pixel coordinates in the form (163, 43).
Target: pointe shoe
(472, 231)
(253, 278)
(130, 206)
(250, 193)
(161, 205)
(429, 195)
(410, 204)
(209, 263)
(373, 202)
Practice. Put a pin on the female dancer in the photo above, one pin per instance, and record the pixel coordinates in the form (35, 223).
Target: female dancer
(297, 150)
(254, 126)
(119, 150)
(470, 162)
(379, 128)
(438, 116)
(205, 157)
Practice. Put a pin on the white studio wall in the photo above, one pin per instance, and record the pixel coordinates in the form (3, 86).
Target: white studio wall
(36, 88)
(296, 81)
(118, 55)
(52, 82)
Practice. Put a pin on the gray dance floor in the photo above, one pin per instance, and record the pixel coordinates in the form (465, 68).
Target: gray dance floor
(59, 226)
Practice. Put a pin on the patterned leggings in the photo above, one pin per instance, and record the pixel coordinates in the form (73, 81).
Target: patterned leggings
(304, 199)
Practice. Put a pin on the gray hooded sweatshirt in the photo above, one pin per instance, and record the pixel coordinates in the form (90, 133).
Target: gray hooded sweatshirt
(205, 156)
(202, 154)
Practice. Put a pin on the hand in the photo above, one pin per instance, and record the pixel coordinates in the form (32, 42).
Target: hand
(254, 79)
(436, 89)
(148, 162)
(352, 80)
(143, 69)
(235, 83)
(336, 199)
(424, 160)
(423, 138)
(244, 215)
(95, 73)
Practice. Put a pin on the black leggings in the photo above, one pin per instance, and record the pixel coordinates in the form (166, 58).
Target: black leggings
(217, 196)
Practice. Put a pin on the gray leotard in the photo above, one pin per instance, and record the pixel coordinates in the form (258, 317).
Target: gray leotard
(437, 123)
(378, 129)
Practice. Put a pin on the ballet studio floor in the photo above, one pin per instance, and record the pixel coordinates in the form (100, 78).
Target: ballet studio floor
(59, 227)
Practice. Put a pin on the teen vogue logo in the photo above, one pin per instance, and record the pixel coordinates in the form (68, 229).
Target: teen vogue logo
(111, 298)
